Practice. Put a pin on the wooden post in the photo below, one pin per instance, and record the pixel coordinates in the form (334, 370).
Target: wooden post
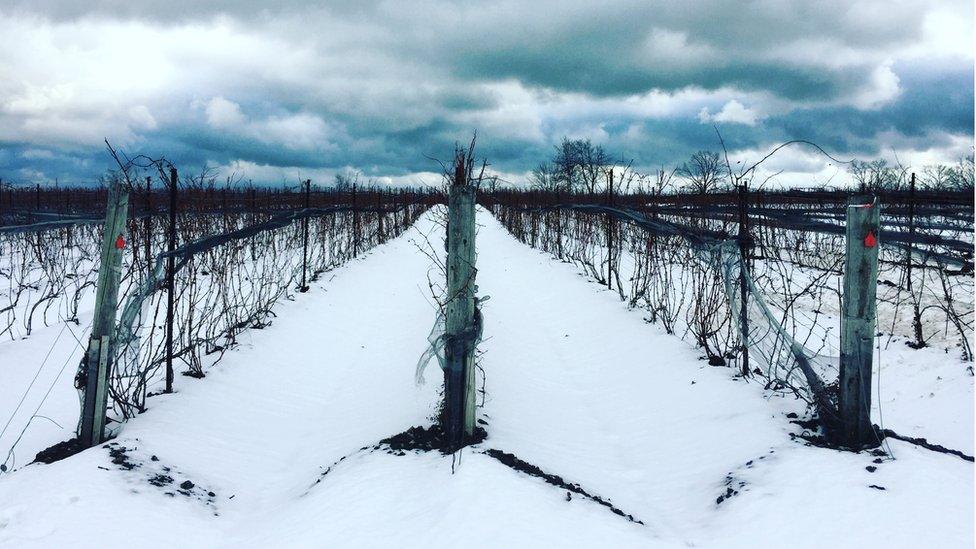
(308, 189)
(459, 377)
(100, 353)
(170, 280)
(858, 323)
(743, 290)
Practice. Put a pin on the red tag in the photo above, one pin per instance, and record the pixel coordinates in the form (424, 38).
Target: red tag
(120, 242)
(870, 241)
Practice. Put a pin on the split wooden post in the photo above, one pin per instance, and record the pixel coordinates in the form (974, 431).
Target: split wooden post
(101, 343)
(459, 377)
(858, 323)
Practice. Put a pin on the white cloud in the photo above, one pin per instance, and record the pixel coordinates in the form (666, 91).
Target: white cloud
(732, 112)
(295, 131)
(881, 88)
(223, 114)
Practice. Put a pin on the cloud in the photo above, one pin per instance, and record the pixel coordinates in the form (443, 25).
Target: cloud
(382, 85)
(224, 114)
(732, 112)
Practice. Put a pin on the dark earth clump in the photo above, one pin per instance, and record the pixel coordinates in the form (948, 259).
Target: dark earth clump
(514, 462)
(59, 451)
(160, 480)
(157, 474)
(732, 487)
(120, 457)
(426, 439)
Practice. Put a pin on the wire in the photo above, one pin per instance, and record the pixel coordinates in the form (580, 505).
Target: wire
(880, 413)
(31, 385)
(34, 415)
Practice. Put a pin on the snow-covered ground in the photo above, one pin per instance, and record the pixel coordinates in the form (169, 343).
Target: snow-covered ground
(576, 385)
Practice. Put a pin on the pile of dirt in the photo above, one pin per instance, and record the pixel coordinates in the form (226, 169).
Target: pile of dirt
(59, 451)
(426, 439)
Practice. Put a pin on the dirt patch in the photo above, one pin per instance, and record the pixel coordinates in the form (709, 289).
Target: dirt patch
(733, 485)
(60, 451)
(523, 466)
(170, 480)
(926, 444)
(426, 439)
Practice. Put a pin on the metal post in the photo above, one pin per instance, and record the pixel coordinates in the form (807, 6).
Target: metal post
(610, 231)
(147, 225)
(308, 190)
(743, 266)
(170, 279)
(380, 233)
(100, 353)
(858, 323)
(355, 224)
(916, 313)
(559, 225)
(459, 377)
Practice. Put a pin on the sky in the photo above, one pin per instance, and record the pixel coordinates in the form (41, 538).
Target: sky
(280, 94)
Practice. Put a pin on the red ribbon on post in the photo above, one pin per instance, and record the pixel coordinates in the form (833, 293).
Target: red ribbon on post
(870, 241)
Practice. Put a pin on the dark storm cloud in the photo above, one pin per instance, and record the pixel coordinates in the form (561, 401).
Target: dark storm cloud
(384, 85)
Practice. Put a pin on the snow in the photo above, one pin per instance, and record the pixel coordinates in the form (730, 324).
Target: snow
(576, 384)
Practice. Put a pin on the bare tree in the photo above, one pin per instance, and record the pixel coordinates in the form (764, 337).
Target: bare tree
(579, 164)
(703, 172)
(545, 177)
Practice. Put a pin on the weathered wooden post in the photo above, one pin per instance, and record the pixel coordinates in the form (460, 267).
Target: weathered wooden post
(170, 280)
(100, 355)
(858, 323)
(460, 325)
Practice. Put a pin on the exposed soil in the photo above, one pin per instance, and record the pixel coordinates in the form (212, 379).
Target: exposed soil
(520, 465)
(926, 444)
(426, 439)
(59, 451)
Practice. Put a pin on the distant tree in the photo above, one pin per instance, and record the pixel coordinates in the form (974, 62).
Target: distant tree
(546, 177)
(703, 172)
(345, 180)
(580, 165)
(878, 175)
(962, 174)
(936, 177)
